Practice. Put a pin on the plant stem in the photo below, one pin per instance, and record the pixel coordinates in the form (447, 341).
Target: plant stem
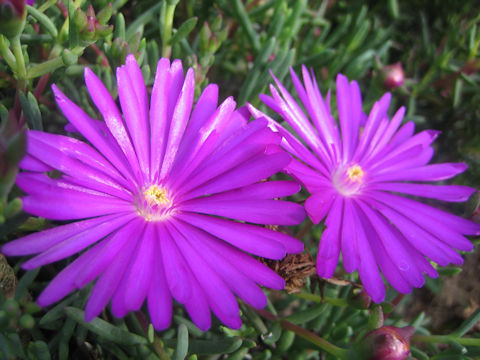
(20, 68)
(320, 299)
(7, 53)
(307, 335)
(446, 339)
(45, 67)
(167, 29)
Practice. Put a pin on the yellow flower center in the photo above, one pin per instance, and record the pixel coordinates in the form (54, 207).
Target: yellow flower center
(154, 203)
(355, 173)
(156, 196)
(349, 181)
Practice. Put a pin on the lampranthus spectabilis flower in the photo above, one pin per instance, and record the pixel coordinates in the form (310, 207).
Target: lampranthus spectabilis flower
(357, 172)
(166, 202)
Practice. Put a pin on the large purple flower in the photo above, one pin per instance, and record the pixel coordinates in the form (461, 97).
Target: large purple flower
(163, 197)
(355, 173)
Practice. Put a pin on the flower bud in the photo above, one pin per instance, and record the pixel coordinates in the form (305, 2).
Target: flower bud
(388, 343)
(393, 76)
(12, 17)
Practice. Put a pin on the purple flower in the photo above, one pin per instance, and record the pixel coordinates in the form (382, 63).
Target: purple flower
(162, 200)
(355, 173)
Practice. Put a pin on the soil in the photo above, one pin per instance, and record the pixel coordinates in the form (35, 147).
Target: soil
(458, 298)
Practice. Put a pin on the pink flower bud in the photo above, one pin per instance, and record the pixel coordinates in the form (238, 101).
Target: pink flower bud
(12, 16)
(388, 343)
(393, 76)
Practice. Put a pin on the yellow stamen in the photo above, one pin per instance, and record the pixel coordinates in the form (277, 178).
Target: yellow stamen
(355, 173)
(156, 196)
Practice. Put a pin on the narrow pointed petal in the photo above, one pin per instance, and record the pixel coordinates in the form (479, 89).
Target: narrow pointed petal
(251, 267)
(113, 245)
(452, 193)
(220, 298)
(253, 239)
(102, 140)
(159, 297)
(179, 122)
(239, 283)
(43, 240)
(138, 279)
(104, 102)
(259, 168)
(348, 243)
(329, 247)
(77, 242)
(179, 283)
(74, 206)
(108, 283)
(132, 95)
(318, 205)
(64, 283)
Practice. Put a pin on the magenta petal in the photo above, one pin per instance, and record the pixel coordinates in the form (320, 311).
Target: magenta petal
(329, 247)
(77, 242)
(253, 239)
(452, 193)
(388, 268)
(159, 122)
(377, 114)
(31, 163)
(112, 246)
(431, 247)
(216, 122)
(219, 296)
(64, 282)
(108, 283)
(434, 219)
(368, 268)
(251, 267)
(319, 204)
(204, 108)
(261, 191)
(348, 119)
(139, 277)
(197, 306)
(239, 283)
(259, 168)
(392, 243)
(318, 111)
(129, 296)
(104, 102)
(132, 95)
(271, 212)
(348, 243)
(74, 206)
(179, 121)
(175, 267)
(388, 133)
(102, 140)
(433, 172)
(159, 298)
(43, 240)
(77, 150)
(57, 156)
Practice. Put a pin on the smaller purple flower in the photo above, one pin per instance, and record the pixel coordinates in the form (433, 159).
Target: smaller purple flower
(357, 172)
(167, 200)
